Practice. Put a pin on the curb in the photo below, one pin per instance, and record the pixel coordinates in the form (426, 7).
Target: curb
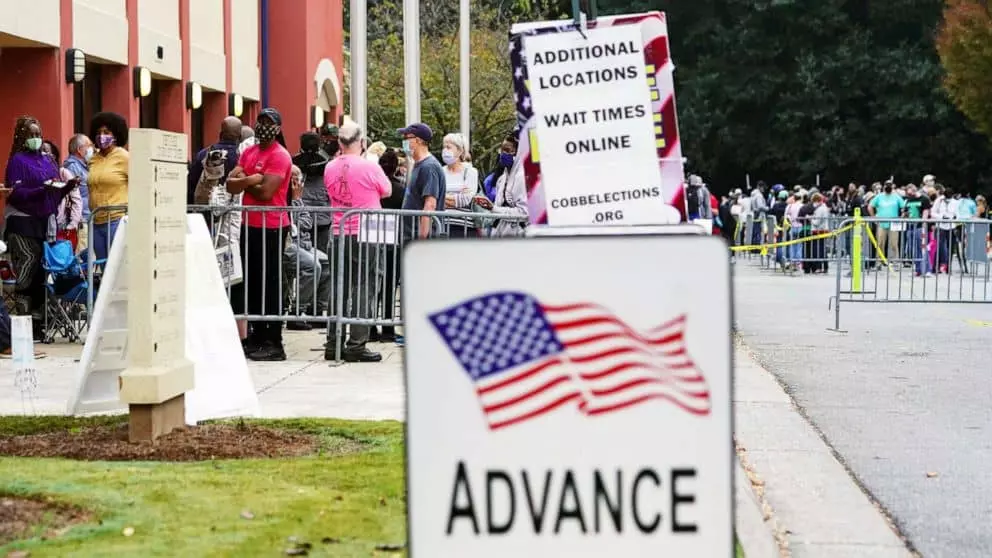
(753, 534)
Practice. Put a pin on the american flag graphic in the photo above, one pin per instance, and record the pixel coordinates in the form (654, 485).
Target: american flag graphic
(654, 29)
(528, 359)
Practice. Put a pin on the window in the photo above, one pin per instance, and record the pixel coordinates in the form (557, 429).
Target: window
(87, 99)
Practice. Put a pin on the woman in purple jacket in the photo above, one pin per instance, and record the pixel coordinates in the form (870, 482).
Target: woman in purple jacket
(36, 193)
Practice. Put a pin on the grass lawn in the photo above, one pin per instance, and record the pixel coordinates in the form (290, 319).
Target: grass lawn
(344, 505)
(353, 502)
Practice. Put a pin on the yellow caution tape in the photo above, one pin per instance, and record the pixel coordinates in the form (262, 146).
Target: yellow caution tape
(764, 247)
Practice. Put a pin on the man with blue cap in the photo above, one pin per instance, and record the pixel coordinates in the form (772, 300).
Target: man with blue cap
(425, 185)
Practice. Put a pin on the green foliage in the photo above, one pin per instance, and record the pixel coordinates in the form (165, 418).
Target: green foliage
(491, 98)
(789, 89)
(965, 47)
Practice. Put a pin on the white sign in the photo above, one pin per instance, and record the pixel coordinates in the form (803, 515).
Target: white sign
(223, 386)
(377, 229)
(595, 126)
(577, 409)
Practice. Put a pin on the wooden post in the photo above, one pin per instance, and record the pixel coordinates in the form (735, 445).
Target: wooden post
(158, 374)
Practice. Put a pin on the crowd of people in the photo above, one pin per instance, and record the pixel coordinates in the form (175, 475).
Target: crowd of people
(80, 200)
(914, 226)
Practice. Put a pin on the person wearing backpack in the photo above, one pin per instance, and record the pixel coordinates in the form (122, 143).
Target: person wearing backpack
(312, 161)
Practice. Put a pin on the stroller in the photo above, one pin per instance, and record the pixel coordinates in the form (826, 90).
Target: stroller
(66, 292)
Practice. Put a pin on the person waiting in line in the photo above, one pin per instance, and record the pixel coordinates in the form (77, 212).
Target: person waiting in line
(69, 216)
(312, 161)
(425, 184)
(263, 175)
(36, 192)
(108, 179)
(197, 192)
(888, 205)
(304, 262)
(78, 163)
(329, 140)
(511, 191)
(353, 182)
(461, 186)
(389, 162)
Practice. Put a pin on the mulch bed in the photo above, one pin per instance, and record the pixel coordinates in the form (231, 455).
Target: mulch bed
(20, 517)
(201, 443)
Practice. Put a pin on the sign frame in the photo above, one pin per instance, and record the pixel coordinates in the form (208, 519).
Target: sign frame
(601, 233)
(654, 31)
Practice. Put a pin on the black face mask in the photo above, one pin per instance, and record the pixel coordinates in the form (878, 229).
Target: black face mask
(266, 133)
(331, 147)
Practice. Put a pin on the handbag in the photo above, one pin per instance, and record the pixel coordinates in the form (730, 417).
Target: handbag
(228, 258)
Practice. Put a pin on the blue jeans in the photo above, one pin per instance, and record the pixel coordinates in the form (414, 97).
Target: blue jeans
(915, 242)
(795, 250)
(5, 342)
(102, 236)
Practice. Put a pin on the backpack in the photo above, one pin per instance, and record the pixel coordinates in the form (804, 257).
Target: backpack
(692, 201)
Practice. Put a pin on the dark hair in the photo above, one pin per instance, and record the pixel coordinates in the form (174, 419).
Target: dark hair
(21, 133)
(309, 142)
(389, 161)
(113, 122)
(55, 151)
(500, 169)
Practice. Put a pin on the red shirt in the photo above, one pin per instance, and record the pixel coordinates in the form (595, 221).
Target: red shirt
(274, 159)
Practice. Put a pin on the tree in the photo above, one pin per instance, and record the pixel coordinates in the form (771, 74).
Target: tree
(965, 47)
(491, 99)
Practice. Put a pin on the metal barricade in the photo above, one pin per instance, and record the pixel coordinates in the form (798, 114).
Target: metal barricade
(368, 247)
(808, 245)
(915, 261)
(294, 272)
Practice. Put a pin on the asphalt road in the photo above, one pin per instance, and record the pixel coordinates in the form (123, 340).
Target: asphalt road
(904, 397)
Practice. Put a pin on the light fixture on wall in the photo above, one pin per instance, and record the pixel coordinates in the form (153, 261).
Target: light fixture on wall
(236, 105)
(75, 65)
(194, 95)
(316, 117)
(142, 82)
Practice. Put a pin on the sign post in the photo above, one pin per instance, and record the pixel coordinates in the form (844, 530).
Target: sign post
(576, 410)
(158, 374)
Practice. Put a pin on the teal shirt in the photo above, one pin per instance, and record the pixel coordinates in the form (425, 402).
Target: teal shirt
(887, 206)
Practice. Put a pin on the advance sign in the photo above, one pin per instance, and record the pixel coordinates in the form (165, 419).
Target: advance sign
(549, 414)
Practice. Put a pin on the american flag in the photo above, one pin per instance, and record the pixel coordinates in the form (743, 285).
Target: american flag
(528, 359)
(656, 54)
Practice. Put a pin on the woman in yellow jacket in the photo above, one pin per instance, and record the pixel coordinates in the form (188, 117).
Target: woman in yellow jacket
(108, 179)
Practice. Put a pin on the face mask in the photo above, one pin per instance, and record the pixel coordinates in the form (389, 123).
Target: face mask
(506, 160)
(448, 157)
(406, 147)
(105, 140)
(34, 144)
(331, 148)
(89, 153)
(266, 132)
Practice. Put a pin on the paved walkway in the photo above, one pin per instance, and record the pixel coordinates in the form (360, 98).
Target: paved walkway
(302, 386)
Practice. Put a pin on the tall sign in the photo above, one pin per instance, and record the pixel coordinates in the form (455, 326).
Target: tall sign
(596, 108)
(158, 374)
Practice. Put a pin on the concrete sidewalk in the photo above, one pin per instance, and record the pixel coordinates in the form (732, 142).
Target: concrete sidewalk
(803, 490)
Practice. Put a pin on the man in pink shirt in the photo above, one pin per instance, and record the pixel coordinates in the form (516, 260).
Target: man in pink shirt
(353, 182)
(263, 175)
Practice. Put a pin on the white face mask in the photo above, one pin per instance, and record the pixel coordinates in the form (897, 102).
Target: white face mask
(89, 153)
(448, 156)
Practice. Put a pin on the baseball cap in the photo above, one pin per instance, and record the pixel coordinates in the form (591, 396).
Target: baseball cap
(272, 114)
(417, 130)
